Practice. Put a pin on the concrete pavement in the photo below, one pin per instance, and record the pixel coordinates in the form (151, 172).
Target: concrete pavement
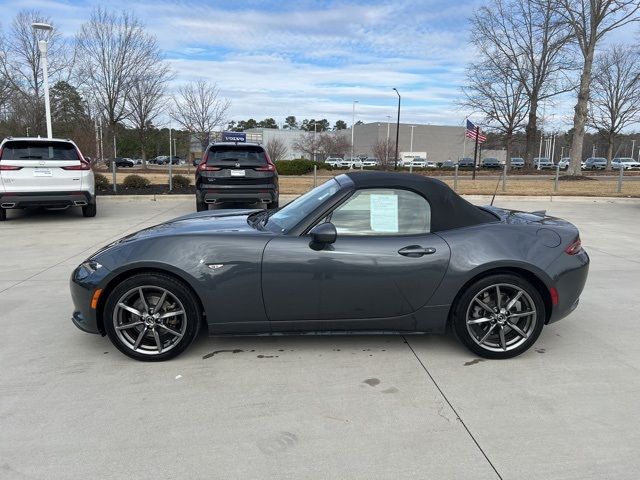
(73, 407)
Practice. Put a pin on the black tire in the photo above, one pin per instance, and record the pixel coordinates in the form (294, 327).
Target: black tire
(176, 288)
(274, 204)
(466, 306)
(90, 210)
(3, 214)
(201, 206)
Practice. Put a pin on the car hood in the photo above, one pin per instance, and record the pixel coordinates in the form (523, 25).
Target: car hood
(210, 222)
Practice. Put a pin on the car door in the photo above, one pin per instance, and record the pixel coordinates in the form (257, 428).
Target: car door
(384, 265)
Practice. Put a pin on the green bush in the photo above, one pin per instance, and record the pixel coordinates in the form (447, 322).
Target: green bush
(180, 181)
(102, 182)
(299, 166)
(135, 181)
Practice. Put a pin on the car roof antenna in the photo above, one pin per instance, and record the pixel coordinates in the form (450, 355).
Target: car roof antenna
(496, 190)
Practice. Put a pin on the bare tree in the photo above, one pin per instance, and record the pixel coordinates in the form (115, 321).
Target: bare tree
(20, 67)
(276, 149)
(501, 98)
(146, 102)
(384, 151)
(615, 93)
(528, 41)
(590, 21)
(114, 52)
(200, 109)
(307, 143)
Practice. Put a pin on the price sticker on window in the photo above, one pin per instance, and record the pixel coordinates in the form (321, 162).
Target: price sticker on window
(384, 213)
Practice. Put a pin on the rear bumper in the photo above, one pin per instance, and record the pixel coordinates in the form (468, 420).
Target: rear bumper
(46, 199)
(238, 193)
(569, 283)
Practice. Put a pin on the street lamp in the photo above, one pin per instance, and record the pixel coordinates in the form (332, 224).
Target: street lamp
(395, 160)
(386, 152)
(353, 126)
(42, 45)
(411, 145)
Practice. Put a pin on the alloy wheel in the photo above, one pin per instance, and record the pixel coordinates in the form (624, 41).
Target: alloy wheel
(501, 317)
(149, 320)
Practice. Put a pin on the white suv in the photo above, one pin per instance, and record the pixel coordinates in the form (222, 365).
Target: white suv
(45, 172)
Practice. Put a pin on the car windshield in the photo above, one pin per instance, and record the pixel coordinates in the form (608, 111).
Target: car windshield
(230, 155)
(26, 150)
(293, 213)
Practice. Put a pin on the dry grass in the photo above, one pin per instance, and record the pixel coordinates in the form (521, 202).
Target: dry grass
(599, 188)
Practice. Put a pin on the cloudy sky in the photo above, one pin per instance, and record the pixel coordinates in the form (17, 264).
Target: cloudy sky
(306, 58)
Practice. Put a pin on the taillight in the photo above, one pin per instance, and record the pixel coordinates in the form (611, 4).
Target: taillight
(84, 165)
(203, 167)
(270, 167)
(9, 167)
(575, 247)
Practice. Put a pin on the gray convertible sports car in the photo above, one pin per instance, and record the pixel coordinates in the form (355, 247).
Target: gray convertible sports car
(364, 252)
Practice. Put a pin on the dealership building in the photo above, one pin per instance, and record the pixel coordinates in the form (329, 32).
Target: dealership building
(432, 142)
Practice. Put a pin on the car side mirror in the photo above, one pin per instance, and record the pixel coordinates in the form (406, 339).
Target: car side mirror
(323, 234)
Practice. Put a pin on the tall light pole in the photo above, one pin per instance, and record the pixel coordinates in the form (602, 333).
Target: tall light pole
(411, 145)
(395, 160)
(633, 147)
(353, 125)
(386, 151)
(42, 45)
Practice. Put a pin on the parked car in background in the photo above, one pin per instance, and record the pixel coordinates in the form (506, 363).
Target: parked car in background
(542, 163)
(120, 162)
(238, 173)
(370, 162)
(517, 162)
(333, 161)
(595, 163)
(448, 165)
(625, 163)
(347, 162)
(418, 163)
(491, 162)
(160, 160)
(43, 172)
(466, 162)
(564, 163)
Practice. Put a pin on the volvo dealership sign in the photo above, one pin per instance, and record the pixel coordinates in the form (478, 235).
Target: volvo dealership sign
(234, 137)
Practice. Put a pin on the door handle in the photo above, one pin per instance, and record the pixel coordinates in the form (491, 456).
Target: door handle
(416, 251)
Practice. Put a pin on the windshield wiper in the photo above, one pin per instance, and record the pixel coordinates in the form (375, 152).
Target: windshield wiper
(256, 218)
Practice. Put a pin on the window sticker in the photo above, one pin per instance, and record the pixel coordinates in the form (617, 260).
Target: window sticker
(384, 213)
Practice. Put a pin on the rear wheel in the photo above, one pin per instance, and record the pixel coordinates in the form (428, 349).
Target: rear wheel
(499, 316)
(3, 214)
(151, 317)
(89, 210)
(201, 206)
(274, 204)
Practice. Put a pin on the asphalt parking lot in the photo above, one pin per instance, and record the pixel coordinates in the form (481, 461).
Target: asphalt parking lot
(73, 407)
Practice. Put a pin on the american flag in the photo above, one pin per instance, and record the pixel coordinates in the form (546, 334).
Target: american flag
(471, 132)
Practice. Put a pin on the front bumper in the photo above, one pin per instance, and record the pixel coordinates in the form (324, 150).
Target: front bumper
(83, 285)
(45, 199)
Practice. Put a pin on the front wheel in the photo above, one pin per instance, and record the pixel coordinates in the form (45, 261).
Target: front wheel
(499, 316)
(151, 317)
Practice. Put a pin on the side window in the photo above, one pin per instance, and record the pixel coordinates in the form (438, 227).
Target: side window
(383, 212)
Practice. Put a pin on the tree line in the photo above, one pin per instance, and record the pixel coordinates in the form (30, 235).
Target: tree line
(531, 53)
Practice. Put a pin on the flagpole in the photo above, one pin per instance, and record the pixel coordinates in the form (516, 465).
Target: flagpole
(475, 153)
(464, 139)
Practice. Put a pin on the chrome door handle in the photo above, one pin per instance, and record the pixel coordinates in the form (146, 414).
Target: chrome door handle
(416, 251)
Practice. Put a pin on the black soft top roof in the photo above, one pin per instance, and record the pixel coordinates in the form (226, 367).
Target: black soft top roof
(448, 209)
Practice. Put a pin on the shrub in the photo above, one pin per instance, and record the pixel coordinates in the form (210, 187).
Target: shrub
(299, 166)
(102, 182)
(135, 181)
(180, 181)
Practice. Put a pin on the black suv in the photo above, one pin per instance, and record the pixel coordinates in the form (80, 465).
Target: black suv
(236, 172)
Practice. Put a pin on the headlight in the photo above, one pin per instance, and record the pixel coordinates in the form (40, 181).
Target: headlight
(86, 269)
